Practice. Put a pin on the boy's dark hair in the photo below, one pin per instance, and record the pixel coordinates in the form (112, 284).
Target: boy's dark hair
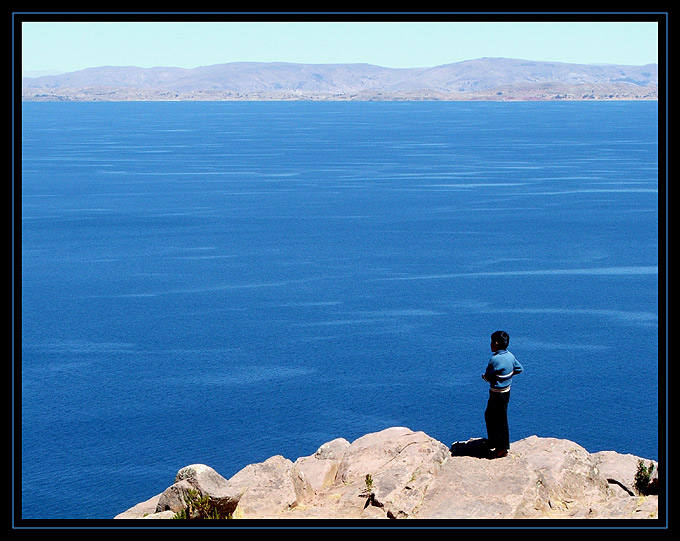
(501, 338)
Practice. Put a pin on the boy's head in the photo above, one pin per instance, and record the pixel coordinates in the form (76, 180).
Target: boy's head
(499, 340)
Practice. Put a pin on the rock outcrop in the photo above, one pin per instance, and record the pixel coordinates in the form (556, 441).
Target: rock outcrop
(401, 474)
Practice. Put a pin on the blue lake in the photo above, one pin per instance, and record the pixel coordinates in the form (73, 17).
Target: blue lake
(222, 282)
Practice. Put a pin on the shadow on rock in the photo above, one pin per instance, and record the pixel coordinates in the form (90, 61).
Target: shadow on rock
(475, 447)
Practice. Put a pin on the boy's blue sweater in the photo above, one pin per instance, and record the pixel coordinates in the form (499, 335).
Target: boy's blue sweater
(502, 366)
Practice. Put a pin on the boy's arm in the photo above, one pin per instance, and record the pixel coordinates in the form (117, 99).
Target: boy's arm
(517, 368)
(490, 374)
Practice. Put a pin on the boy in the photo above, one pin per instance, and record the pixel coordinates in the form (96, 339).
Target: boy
(502, 366)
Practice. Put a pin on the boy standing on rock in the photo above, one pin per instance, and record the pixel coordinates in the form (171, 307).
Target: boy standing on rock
(502, 366)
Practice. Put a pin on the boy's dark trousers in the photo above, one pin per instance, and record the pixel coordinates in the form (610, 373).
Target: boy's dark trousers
(496, 417)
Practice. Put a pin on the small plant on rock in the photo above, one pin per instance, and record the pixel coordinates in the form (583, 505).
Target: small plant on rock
(643, 478)
(198, 507)
(369, 494)
(369, 483)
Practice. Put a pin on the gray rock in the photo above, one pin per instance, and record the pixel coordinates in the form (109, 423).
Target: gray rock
(477, 488)
(140, 510)
(174, 497)
(620, 469)
(270, 488)
(320, 468)
(566, 468)
(161, 515)
(207, 482)
(401, 464)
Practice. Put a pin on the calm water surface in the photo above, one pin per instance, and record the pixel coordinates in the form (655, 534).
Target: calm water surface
(223, 282)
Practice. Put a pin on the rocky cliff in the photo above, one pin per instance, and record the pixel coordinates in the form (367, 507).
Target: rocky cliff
(401, 474)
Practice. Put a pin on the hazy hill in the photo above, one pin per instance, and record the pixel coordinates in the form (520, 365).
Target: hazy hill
(484, 78)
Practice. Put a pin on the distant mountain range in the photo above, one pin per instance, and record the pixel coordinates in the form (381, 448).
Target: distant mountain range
(481, 79)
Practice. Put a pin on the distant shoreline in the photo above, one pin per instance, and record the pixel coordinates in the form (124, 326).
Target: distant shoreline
(125, 97)
(484, 79)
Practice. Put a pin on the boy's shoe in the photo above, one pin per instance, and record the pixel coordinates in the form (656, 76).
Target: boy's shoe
(497, 453)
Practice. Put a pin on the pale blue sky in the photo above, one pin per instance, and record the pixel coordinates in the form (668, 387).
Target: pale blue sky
(65, 46)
